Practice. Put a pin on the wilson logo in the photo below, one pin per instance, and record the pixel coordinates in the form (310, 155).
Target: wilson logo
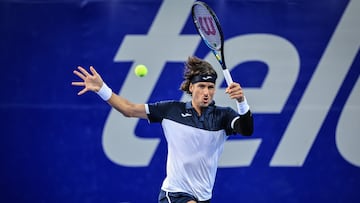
(207, 25)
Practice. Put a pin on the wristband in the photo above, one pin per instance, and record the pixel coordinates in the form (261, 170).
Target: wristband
(243, 107)
(105, 92)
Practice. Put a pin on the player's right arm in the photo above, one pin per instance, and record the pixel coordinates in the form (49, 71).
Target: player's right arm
(126, 107)
(94, 82)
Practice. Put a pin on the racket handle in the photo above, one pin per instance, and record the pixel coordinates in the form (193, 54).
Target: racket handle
(227, 76)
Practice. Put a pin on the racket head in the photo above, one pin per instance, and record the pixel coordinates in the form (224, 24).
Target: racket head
(207, 25)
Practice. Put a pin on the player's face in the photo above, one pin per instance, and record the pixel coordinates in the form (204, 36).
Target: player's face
(202, 94)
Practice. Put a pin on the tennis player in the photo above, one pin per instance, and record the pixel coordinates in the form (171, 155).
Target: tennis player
(195, 130)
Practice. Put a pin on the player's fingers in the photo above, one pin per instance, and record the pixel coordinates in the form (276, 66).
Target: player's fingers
(233, 87)
(228, 89)
(80, 75)
(78, 83)
(82, 91)
(93, 71)
(236, 94)
(237, 89)
(83, 71)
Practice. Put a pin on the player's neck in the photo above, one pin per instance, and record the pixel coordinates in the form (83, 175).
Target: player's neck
(199, 109)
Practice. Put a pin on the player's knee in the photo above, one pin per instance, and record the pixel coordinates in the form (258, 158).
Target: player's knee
(191, 201)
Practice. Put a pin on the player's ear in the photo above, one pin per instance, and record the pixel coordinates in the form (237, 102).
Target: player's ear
(191, 87)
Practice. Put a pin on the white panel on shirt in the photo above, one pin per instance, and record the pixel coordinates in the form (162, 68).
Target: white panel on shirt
(192, 161)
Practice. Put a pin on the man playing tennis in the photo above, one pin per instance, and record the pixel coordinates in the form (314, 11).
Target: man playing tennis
(195, 131)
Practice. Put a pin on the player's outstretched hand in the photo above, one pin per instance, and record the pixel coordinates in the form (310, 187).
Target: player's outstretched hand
(235, 92)
(91, 82)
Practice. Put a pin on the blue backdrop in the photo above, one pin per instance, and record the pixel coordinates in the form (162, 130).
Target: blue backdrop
(297, 60)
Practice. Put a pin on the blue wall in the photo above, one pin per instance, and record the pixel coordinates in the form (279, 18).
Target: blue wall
(298, 62)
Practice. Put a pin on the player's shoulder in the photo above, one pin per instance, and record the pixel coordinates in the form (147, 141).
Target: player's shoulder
(224, 111)
(170, 102)
(221, 108)
(168, 105)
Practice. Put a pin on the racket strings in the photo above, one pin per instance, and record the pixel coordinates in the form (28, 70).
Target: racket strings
(207, 27)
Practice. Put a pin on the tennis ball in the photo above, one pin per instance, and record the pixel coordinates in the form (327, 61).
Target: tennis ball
(141, 70)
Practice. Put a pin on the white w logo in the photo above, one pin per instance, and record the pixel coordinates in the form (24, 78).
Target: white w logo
(208, 29)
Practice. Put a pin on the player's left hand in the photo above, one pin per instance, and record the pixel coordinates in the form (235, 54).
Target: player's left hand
(235, 91)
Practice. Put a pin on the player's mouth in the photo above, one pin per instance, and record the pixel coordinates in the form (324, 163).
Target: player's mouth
(206, 100)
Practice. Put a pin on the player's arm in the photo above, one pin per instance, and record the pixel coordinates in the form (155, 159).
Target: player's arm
(94, 82)
(126, 107)
(244, 125)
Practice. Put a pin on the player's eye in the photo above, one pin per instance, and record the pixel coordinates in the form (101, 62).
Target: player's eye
(202, 86)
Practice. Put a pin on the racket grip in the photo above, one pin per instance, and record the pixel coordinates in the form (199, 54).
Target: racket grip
(227, 76)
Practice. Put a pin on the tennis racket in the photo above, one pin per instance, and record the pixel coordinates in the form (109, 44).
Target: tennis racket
(208, 27)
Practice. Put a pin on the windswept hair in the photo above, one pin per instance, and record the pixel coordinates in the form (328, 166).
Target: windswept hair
(195, 66)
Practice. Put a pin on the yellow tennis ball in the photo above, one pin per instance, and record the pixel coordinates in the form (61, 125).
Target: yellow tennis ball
(141, 70)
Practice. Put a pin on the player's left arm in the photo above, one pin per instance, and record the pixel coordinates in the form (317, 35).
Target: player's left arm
(244, 125)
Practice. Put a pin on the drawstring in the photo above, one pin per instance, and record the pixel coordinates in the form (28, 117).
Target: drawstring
(167, 196)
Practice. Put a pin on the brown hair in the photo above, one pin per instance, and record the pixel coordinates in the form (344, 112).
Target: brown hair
(195, 66)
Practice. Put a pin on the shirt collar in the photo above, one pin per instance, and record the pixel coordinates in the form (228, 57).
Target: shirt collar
(188, 104)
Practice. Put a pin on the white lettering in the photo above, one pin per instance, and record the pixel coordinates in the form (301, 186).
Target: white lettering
(321, 91)
(347, 132)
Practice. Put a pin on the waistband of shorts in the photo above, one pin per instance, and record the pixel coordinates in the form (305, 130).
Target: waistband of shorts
(174, 194)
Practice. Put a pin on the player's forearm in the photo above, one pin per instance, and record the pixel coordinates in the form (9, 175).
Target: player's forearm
(126, 107)
(245, 124)
(121, 104)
